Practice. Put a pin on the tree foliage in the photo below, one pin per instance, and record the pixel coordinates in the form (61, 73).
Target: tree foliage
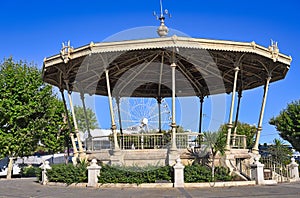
(287, 123)
(243, 129)
(215, 142)
(279, 151)
(29, 112)
(80, 118)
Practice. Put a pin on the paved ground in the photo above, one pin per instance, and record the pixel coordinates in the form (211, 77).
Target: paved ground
(28, 188)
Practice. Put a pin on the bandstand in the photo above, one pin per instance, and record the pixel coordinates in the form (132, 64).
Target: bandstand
(166, 67)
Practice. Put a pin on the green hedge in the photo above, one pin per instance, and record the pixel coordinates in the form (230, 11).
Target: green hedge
(138, 175)
(117, 174)
(68, 173)
(30, 171)
(198, 173)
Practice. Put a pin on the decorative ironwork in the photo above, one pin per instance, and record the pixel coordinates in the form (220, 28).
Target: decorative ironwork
(66, 51)
(274, 50)
(162, 30)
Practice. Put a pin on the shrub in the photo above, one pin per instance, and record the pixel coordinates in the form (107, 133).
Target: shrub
(222, 174)
(138, 175)
(117, 174)
(30, 171)
(198, 173)
(68, 173)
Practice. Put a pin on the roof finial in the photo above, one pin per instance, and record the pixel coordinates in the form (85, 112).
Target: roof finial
(162, 30)
(273, 48)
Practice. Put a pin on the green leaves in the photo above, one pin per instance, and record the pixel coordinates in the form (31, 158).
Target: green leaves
(68, 173)
(138, 175)
(215, 141)
(118, 174)
(198, 173)
(279, 152)
(243, 129)
(29, 111)
(287, 123)
(80, 117)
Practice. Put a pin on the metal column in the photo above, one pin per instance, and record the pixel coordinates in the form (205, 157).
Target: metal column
(173, 145)
(262, 110)
(229, 125)
(75, 151)
(113, 124)
(201, 114)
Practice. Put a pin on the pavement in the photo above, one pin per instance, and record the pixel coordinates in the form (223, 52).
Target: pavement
(30, 188)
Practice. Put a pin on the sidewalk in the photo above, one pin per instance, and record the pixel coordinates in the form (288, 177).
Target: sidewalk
(25, 188)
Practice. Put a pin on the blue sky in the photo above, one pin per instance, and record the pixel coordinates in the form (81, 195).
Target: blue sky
(31, 30)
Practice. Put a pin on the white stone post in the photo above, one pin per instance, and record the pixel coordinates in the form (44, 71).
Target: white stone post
(45, 166)
(293, 170)
(178, 174)
(257, 171)
(93, 173)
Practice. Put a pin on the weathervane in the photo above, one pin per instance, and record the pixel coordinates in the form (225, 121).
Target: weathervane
(162, 30)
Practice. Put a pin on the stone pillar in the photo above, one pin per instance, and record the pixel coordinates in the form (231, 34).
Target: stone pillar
(293, 170)
(45, 166)
(93, 173)
(178, 174)
(257, 171)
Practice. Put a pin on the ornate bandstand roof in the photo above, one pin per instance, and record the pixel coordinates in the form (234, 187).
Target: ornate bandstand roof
(141, 68)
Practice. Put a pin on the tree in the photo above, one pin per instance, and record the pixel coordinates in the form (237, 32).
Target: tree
(29, 112)
(215, 142)
(279, 151)
(80, 118)
(243, 129)
(287, 123)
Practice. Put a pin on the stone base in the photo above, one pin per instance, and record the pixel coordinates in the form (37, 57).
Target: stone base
(117, 158)
(173, 155)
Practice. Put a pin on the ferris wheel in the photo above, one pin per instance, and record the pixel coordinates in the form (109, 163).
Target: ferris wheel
(141, 115)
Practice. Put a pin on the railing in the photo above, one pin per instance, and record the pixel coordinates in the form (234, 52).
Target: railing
(188, 140)
(146, 141)
(274, 170)
(100, 143)
(238, 142)
(143, 141)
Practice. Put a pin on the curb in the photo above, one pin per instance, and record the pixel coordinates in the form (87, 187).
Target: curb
(159, 185)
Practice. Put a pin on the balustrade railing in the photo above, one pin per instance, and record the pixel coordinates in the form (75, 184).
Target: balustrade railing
(238, 142)
(274, 170)
(146, 141)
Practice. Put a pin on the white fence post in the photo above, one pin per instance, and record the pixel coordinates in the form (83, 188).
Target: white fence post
(257, 171)
(293, 170)
(45, 166)
(93, 173)
(178, 174)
